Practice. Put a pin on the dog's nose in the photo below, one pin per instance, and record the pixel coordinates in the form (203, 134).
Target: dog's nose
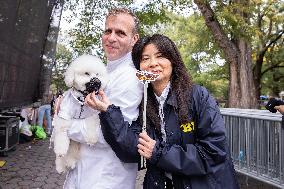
(93, 85)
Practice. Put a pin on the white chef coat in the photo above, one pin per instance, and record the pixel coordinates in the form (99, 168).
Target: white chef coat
(99, 167)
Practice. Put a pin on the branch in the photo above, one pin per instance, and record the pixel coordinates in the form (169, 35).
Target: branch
(272, 67)
(263, 51)
(270, 27)
(259, 21)
(279, 78)
(279, 35)
(219, 35)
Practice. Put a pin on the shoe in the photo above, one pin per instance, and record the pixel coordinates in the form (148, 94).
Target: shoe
(48, 134)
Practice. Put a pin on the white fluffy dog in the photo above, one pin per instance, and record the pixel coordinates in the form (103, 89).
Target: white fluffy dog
(85, 74)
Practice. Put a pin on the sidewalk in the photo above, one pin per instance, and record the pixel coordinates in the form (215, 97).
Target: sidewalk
(31, 166)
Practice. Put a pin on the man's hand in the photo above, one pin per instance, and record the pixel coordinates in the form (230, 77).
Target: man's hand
(146, 145)
(280, 109)
(98, 102)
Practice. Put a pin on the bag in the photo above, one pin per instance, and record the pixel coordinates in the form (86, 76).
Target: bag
(25, 129)
(26, 135)
(25, 138)
(38, 132)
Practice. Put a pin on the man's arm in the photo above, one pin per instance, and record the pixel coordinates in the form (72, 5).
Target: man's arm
(122, 137)
(119, 125)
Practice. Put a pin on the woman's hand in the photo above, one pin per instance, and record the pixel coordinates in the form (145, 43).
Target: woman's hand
(146, 145)
(98, 102)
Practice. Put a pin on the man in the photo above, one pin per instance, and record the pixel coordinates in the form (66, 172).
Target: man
(99, 167)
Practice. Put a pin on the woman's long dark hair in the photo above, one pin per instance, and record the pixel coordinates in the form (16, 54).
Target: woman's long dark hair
(181, 83)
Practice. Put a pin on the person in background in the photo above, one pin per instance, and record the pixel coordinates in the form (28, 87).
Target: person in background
(274, 105)
(44, 111)
(25, 125)
(56, 100)
(280, 109)
(185, 144)
(98, 166)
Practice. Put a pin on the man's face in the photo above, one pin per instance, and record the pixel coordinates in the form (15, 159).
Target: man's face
(118, 38)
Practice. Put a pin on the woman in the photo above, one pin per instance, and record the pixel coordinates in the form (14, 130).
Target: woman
(185, 143)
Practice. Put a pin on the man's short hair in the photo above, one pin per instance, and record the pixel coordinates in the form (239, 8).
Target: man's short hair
(116, 11)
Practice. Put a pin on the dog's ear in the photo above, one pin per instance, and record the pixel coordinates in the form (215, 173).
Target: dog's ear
(69, 76)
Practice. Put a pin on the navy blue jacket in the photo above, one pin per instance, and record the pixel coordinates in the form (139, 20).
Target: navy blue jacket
(196, 154)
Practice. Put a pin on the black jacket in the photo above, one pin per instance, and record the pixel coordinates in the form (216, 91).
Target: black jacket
(195, 154)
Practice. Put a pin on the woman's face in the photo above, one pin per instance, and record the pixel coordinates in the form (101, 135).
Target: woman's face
(153, 61)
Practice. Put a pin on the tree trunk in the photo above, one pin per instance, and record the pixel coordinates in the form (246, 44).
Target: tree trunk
(258, 72)
(48, 58)
(249, 99)
(238, 56)
(275, 88)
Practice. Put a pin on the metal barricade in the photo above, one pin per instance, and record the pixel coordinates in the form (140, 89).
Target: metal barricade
(256, 142)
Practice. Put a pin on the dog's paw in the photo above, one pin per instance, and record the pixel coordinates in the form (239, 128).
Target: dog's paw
(60, 151)
(71, 161)
(60, 165)
(60, 170)
(61, 145)
(72, 165)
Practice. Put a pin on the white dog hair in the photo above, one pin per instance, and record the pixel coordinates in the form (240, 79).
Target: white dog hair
(72, 107)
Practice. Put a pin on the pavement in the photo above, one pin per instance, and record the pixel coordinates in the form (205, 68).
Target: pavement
(32, 166)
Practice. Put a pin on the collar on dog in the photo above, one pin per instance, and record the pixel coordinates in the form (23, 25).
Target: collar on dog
(78, 95)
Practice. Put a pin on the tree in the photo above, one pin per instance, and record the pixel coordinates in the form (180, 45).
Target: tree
(62, 60)
(237, 52)
(272, 75)
(245, 30)
(201, 56)
(268, 43)
(86, 36)
(48, 58)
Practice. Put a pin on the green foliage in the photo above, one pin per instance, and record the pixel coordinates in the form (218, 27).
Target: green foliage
(218, 86)
(273, 83)
(89, 14)
(86, 36)
(198, 51)
(273, 74)
(268, 23)
(239, 19)
(234, 18)
(63, 59)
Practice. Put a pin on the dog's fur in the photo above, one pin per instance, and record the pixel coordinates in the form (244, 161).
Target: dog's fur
(78, 74)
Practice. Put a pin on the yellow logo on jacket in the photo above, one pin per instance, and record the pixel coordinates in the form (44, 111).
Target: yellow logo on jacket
(187, 127)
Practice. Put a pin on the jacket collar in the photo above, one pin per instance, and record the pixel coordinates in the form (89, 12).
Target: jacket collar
(172, 99)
